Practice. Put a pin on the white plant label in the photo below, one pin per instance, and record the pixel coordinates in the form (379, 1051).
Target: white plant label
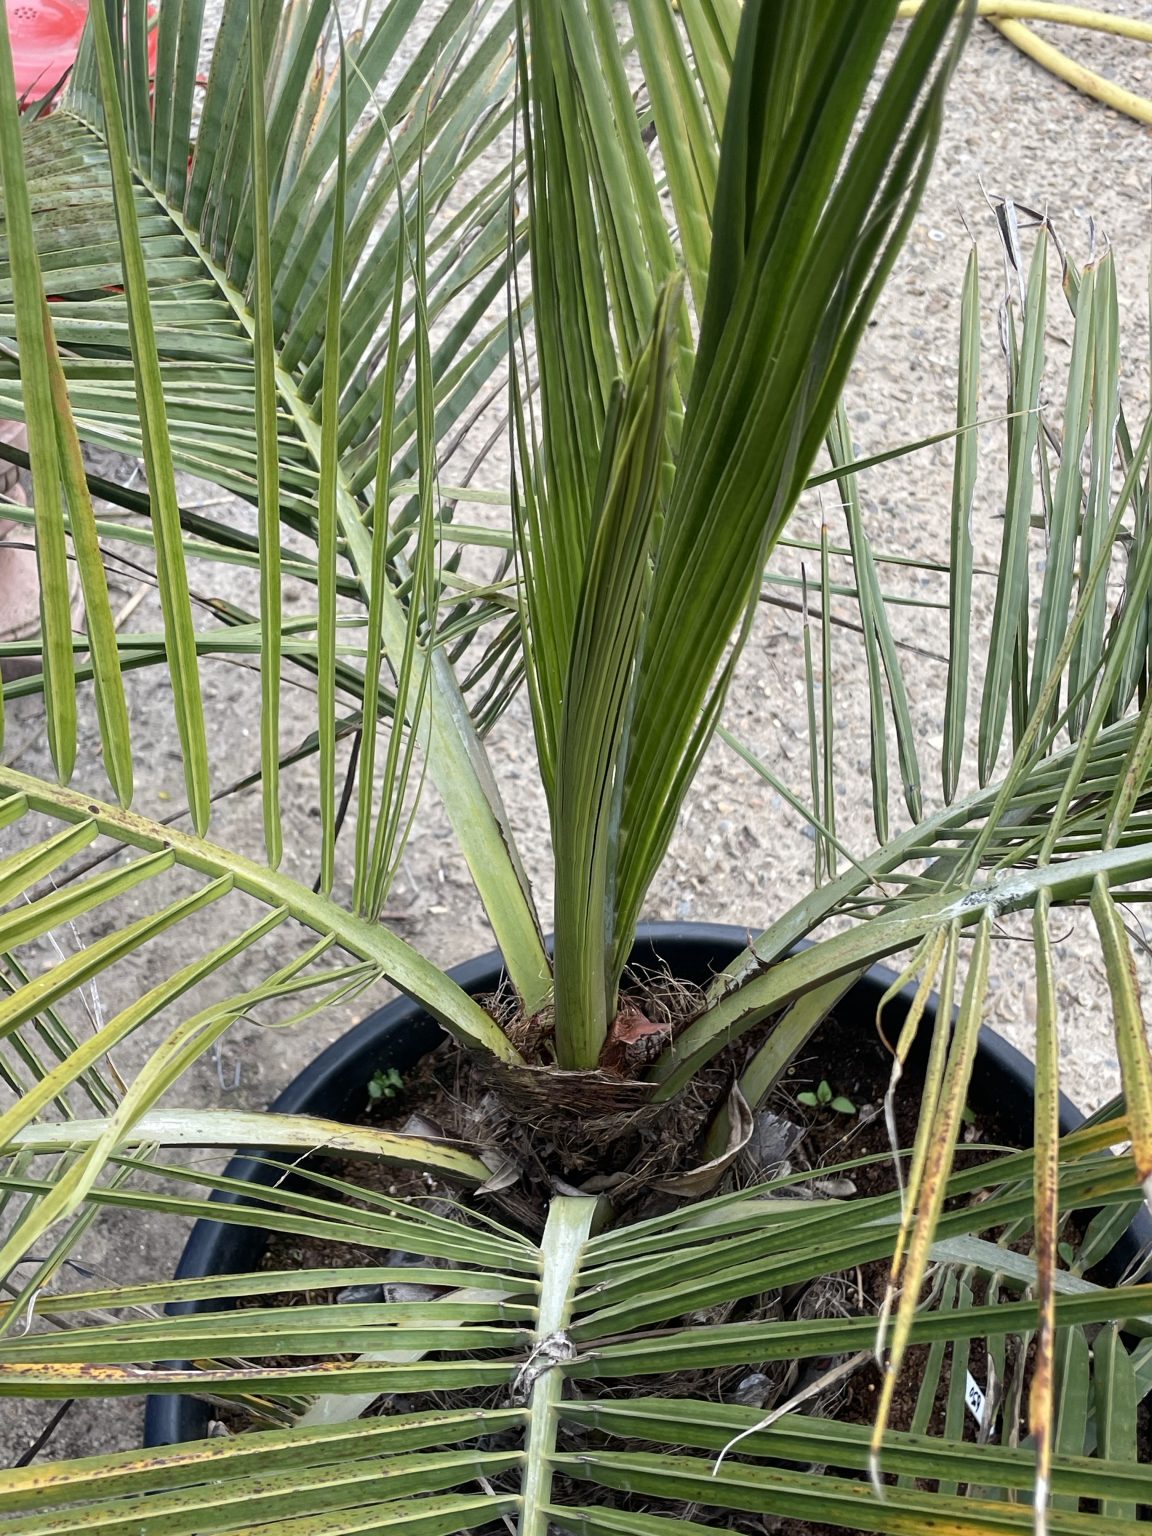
(974, 1397)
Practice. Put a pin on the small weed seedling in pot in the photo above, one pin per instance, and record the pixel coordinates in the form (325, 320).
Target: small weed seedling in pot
(385, 1083)
(823, 1098)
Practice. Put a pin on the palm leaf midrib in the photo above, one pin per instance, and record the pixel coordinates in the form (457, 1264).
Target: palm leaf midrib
(222, 307)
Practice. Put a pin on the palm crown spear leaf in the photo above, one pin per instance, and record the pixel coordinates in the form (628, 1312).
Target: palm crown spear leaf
(641, 250)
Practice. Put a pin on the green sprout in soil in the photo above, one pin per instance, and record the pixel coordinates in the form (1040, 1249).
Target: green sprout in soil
(824, 1099)
(385, 1083)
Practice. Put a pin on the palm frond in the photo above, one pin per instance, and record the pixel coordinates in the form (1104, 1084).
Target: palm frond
(1076, 783)
(56, 459)
(775, 339)
(165, 846)
(190, 321)
(598, 702)
(86, 1155)
(528, 1319)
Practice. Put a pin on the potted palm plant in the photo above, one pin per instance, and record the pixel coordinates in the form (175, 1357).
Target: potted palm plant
(663, 235)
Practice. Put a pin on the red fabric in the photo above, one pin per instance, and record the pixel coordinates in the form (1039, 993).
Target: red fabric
(45, 39)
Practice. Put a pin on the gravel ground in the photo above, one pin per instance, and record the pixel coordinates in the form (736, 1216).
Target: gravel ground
(738, 855)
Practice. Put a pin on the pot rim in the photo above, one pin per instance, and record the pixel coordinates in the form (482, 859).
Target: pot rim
(402, 1027)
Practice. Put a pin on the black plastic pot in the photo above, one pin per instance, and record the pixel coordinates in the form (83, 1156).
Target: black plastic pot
(1003, 1084)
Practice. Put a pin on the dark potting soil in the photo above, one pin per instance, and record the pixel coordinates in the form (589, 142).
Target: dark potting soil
(855, 1065)
(860, 1075)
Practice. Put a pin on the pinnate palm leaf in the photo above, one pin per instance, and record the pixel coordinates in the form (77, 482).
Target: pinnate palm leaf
(180, 307)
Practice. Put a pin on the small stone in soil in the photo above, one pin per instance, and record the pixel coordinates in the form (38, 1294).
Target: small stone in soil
(420, 1125)
(773, 1138)
(753, 1391)
(834, 1189)
(353, 1294)
(404, 1292)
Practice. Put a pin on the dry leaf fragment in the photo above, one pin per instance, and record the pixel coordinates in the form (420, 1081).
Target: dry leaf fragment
(630, 1025)
(700, 1181)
